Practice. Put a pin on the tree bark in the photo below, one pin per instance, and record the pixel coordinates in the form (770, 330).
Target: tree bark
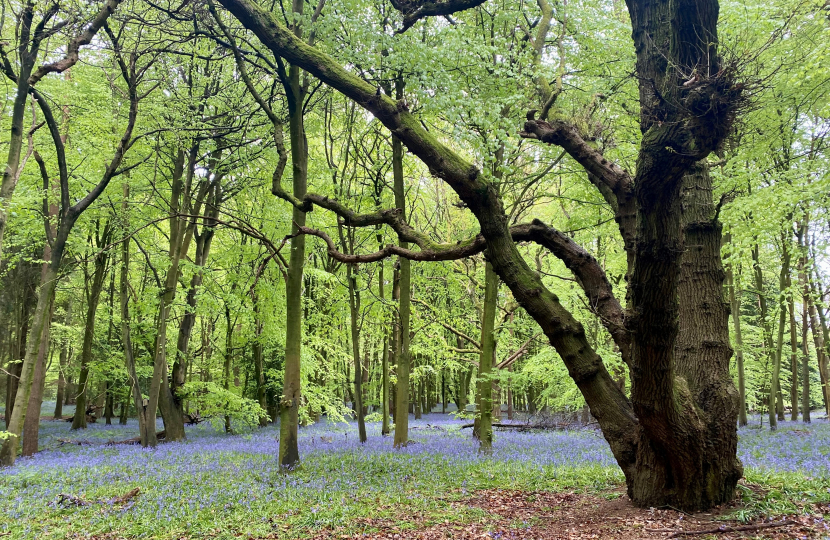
(261, 395)
(31, 426)
(146, 417)
(793, 353)
(384, 357)
(824, 372)
(354, 313)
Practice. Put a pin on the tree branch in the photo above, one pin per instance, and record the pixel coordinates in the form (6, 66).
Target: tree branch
(458, 333)
(566, 136)
(84, 38)
(608, 403)
(415, 10)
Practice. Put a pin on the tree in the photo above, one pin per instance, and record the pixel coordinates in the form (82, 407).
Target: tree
(132, 75)
(676, 439)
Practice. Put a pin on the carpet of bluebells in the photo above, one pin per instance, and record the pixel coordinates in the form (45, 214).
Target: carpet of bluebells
(223, 486)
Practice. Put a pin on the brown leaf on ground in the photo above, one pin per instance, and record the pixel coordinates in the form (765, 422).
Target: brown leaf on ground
(569, 516)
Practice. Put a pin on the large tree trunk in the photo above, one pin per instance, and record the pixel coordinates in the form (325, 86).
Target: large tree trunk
(688, 442)
(31, 426)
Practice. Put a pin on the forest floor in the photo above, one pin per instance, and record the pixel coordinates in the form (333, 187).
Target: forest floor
(538, 484)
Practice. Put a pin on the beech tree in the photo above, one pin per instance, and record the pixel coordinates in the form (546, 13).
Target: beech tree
(676, 438)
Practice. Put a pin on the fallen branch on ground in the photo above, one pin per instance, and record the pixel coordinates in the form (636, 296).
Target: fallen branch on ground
(65, 499)
(524, 427)
(69, 441)
(137, 440)
(428, 427)
(729, 528)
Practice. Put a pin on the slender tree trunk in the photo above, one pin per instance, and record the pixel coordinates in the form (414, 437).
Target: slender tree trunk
(94, 288)
(11, 172)
(62, 366)
(777, 413)
(735, 308)
(384, 361)
(354, 311)
(289, 454)
(125, 407)
(485, 359)
(824, 372)
(258, 366)
(805, 319)
(793, 354)
(767, 328)
(402, 397)
(146, 416)
(226, 379)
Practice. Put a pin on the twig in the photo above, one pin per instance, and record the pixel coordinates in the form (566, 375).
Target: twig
(727, 528)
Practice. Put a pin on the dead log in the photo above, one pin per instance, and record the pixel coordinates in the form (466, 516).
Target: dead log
(137, 440)
(522, 427)
(66, 499)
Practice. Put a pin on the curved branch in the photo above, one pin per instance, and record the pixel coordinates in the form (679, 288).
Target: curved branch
(415, 10)
(565, 135)
(439, 252)
(84, 38)
(613, 182)
(589, 274)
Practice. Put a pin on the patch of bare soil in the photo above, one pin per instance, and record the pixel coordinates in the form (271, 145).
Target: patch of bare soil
(569, 516)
